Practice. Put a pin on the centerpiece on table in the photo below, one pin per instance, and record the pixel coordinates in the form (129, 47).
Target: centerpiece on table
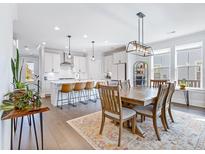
(21, 97)
(183, 84)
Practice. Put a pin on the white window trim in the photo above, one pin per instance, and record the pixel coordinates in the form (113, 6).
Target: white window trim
(184, 48)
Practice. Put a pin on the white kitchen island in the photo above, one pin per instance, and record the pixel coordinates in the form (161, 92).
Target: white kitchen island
(56, 85)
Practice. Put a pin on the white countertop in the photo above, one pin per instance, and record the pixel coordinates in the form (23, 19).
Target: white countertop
(71, 81)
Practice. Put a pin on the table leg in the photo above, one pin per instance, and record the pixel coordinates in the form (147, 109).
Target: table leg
(11, 141)
(186, 96)
(19, 146)
(41, 123)
(29, 120)
(15, 124)
(34, 126)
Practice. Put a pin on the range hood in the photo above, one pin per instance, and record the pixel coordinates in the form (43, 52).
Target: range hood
(68, 61)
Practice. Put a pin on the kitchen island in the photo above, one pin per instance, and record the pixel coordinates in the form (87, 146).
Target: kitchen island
(56, 85)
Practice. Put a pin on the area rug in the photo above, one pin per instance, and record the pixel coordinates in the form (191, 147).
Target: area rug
(187, 133)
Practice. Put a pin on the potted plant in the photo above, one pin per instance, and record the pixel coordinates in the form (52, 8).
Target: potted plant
(17, 71)
(21, 97)
(182, 84)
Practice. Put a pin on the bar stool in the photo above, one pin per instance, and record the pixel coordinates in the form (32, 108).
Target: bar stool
(65, 89)
(89, 89)
(79, 89)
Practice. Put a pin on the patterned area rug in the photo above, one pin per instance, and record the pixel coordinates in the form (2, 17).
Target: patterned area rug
(188, 132)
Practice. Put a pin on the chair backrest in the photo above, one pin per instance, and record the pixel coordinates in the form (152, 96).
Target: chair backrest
(110, 99)
(113, 83)
(65, 88)
(170, 94)
(125, 84)
(89, 85)
(156, 83)
(97, 86)
(79, 86)
(161, 98)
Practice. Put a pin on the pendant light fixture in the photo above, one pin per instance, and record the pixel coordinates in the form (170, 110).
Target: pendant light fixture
(138, 47)
(69, 54)
(93, 56)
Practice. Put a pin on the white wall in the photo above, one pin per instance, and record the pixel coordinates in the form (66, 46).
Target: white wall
(7, 14)
(197, 97)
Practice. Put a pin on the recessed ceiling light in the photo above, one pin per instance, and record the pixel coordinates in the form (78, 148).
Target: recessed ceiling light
(44, 43)
(56, 28)
(106, 41)
(85, 36)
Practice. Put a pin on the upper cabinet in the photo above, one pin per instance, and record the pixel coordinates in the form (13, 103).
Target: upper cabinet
(120, 57)
(79, 64)
(52, 62)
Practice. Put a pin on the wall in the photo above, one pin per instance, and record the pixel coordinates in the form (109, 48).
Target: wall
(8, 13)
(197, 97)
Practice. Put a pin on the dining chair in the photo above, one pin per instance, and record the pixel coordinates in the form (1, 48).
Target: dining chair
(154, 111)
(167, 106)
(125, 84)
(113, 82)
(96, 88)
(112, 109)
(156, 83)
(65, 89)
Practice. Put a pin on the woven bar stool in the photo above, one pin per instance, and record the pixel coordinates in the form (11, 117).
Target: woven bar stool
(65, 89)
(89, 89)
(79, 90)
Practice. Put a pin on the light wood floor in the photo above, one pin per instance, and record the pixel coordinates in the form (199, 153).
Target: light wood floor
(59, 135)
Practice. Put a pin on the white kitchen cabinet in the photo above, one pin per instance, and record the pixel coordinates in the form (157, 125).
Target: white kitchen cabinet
(114, 72)
(52, 62)
(120, 57)
(108, 64)
(118, 72)
(80, 64)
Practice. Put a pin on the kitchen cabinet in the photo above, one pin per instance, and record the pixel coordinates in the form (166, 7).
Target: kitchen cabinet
(108, 64)
(118, 72)
(120, 57)
(80, 64)
(52, 62)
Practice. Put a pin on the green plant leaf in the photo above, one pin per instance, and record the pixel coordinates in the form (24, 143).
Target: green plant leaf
(13, 70)
(17, 64)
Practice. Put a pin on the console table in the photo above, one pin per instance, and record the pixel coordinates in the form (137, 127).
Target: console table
(14, 114)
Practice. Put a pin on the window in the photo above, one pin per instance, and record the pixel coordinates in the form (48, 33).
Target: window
(29, 71)
(189, 64)
(161, 64)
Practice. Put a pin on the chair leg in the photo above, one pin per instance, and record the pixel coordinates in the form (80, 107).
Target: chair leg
(163, 121)
(120, 133)
(155, 127)
(102, 124)
(142, 118)
(134, 119)
(61, 100)
(170, 114)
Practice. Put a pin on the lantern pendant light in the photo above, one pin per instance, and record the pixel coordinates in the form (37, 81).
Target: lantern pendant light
(93, 56)
(138, 47)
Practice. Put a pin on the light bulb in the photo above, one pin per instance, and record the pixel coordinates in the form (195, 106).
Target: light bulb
(93, 58)
(69, 56)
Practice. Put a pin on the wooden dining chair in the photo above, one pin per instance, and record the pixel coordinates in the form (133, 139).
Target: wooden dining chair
(125, 84)
(156, 83)
(112, 109)
(154, 111)
(113, 82)
(167, 106)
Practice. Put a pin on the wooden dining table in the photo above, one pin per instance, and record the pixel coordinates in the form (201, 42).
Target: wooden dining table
(140, 96)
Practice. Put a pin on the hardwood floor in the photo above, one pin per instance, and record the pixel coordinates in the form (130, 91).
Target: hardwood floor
(59, 135)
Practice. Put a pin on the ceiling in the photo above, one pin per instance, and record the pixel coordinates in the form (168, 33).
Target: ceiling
(110, 25)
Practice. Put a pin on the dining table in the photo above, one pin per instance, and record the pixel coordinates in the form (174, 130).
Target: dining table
(139, 96)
